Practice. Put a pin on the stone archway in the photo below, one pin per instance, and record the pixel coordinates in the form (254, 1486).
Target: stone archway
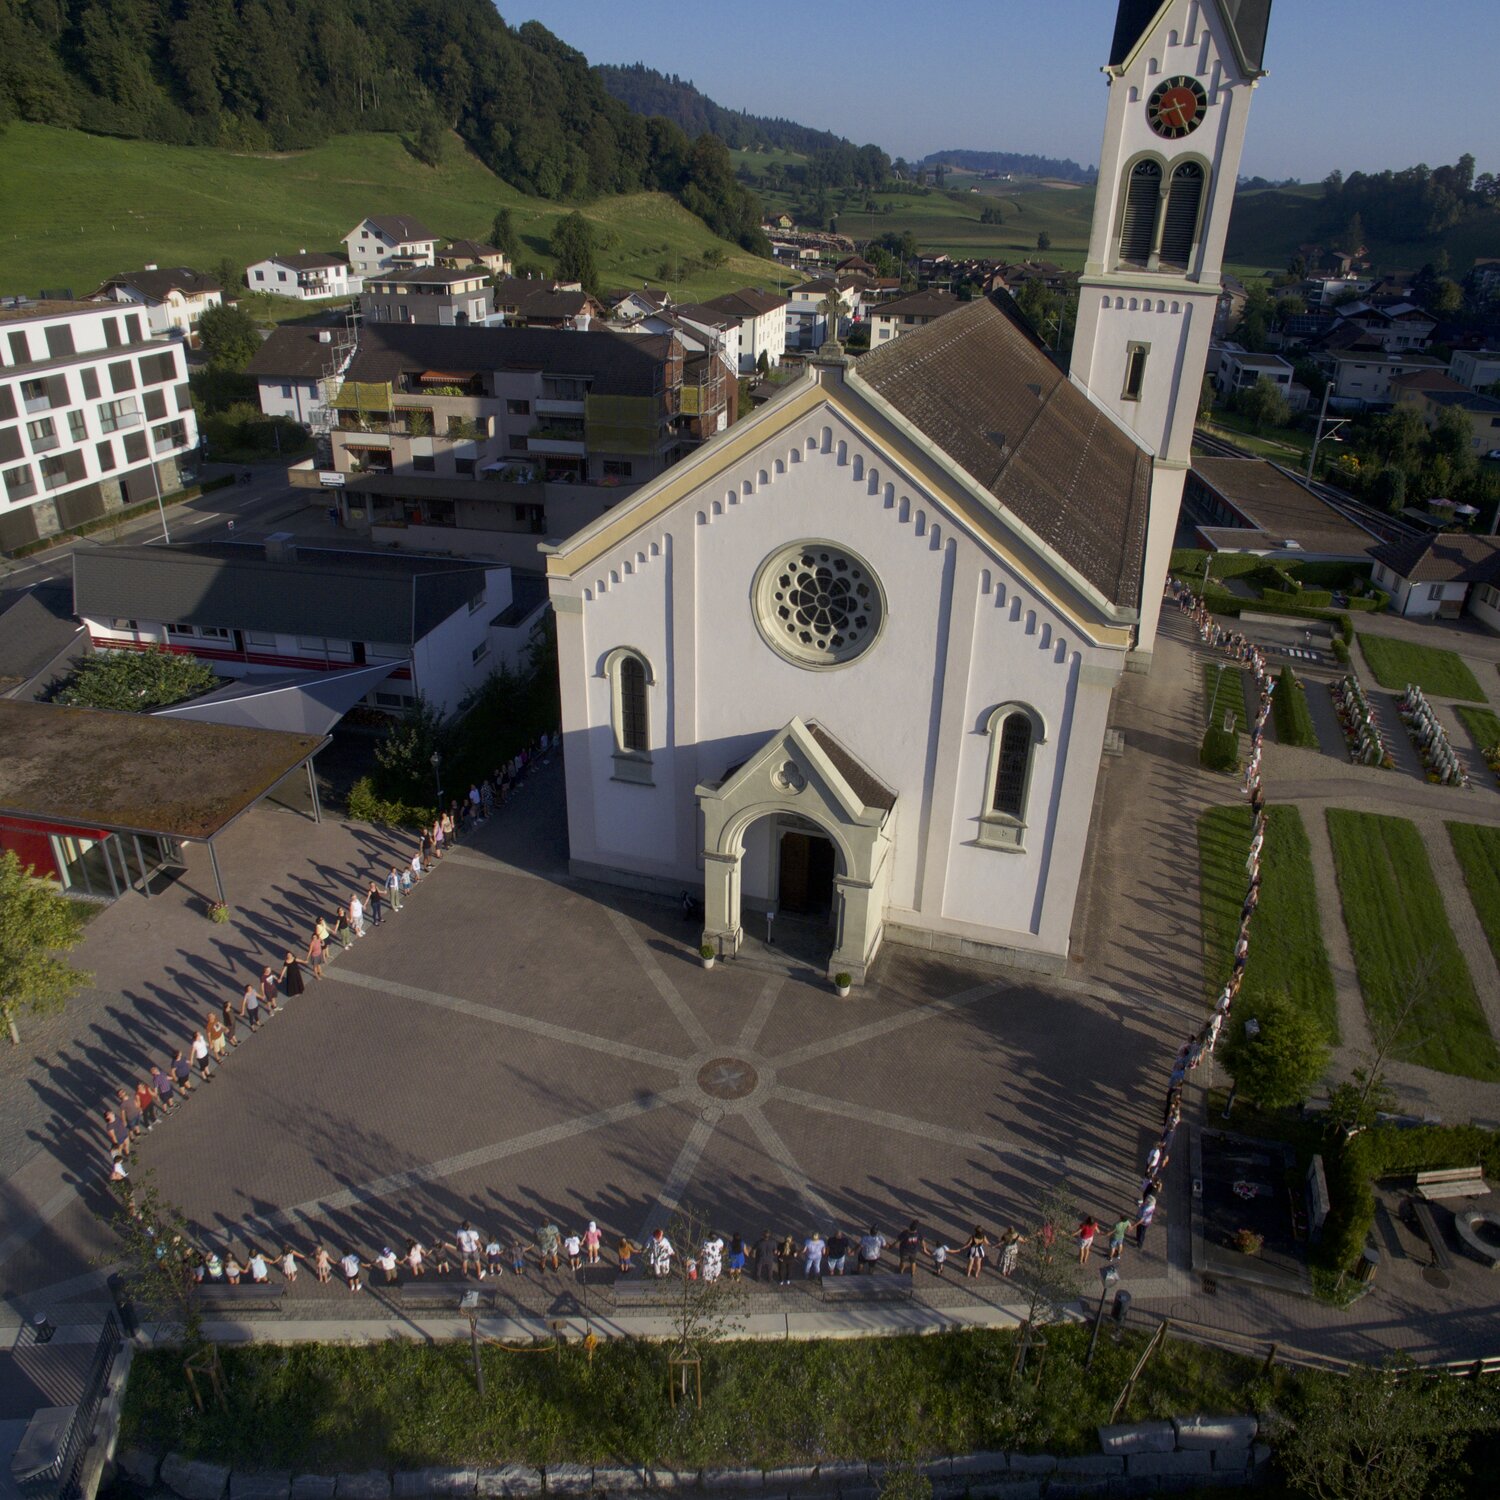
(803, 771)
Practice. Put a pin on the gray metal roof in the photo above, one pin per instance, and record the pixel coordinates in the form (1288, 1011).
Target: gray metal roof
(355, 596)
(292, 702)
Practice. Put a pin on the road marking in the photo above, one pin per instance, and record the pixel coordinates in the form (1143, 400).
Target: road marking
(669, 1199)
(663, 986)
(498, 1017)
(786, 1164)
(875, 1029)
(761, 1013)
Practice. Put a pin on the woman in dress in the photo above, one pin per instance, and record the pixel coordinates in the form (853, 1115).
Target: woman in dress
(291, 976)
(1010, 1251)
(737, 1257)
(322, 1265)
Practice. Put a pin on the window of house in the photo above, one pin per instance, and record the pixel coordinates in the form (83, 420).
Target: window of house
(54, 471)
(106, 454)
(122, 376)
(518, 408)
(477, 602)
(135, 447)
(180, 630)
(464, 466)
(155, 403)
(423, 463)
(78, 428)
(60, 341)
(169, 435)
(43, 434)
(20, 350)
(260, 638)
(1135, 371)
(120, 624)
(1014, 733)
(260, 275)
(34, 391)
(215, 633)
(90, 385)
(617, 468)
(157, 369)
(136, 326)
(629, 681)
(479, 653)
(1434, 591)
(286, 391)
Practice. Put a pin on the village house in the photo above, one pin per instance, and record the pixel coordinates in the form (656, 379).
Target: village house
(309, 277)
(174, 298)
(389, 242)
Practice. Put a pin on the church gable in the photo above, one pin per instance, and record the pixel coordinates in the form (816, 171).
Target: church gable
(1245, 23)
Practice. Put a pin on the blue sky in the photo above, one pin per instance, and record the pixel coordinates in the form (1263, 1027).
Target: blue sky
(1355, 84)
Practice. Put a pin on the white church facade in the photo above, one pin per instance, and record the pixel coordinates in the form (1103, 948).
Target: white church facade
(854, 659)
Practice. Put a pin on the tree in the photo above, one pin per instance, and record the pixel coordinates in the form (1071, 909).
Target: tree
(1446, 299)
(1276, 1053)
(1354, 236)
(503, 235)
(430, 141)
(572, 247)
(1379, 1434)
(702, 1312)
(1206, 399)
(1044, 241)
(405, 754)
(36, 923)
(1047, 1269)
(136, 681)
(1388, 488)
(229, 276)
(1264, 405)
(230, 337)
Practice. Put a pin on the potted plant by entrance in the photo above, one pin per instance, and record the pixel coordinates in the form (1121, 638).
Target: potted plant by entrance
(842, 984)
(218, 911)
(1247, 1241)
(706, 953)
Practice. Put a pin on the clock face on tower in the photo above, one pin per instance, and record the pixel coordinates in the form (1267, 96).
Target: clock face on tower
(1176, 107)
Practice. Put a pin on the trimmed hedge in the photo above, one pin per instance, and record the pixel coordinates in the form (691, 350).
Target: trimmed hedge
(1294, 725)
(1308, 598)
(1220, 750)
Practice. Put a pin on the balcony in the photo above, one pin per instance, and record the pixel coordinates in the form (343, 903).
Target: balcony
(46, 444)
(549, 407)
(557, 446)
(34, 404)
(367, 421)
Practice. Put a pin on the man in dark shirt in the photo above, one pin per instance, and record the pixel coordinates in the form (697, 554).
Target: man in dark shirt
(838, 1248)
(910, 1243)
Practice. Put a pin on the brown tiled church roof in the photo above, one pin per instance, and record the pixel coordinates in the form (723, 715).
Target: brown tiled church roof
(979, 385)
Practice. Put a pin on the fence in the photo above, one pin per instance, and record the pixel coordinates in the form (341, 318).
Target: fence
(65, 1483)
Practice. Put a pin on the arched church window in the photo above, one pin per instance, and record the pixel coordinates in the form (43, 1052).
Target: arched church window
(630, 680)
(1138, 226)
(1180, 225)
(1015, 731)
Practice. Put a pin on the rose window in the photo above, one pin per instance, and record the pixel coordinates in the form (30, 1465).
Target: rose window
(818, 604)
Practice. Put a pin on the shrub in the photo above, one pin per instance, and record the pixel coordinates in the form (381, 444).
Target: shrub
(1307, 598)
(1294, 725)
(1341, 650)
(366, 807)
(136, 681)
(842, 980)
(1220, 750)
(1284, 1061)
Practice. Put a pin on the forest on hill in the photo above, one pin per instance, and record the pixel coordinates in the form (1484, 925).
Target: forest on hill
(1064, 168)
(283, 75)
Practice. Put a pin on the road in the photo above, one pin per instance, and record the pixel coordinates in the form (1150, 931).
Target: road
(265, 497)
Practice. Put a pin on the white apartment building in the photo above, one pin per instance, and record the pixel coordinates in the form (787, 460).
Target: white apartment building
(95, 414)
(390, 242)
(762, 320)
(307, 277)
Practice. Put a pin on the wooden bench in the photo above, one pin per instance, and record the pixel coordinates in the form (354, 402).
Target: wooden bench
(650, 1291)
(1422, 1215)
(243, 1296)
(433, 1291)
(871, 1287)
(1452, 1182)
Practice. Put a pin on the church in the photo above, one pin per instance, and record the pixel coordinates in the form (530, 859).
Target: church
(854, 659)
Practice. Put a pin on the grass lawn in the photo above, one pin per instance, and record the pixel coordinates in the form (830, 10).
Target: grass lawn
(1223, 690)
(407, 1405)
(1287, 956)
(1394, 914)
(82, 207)
(1294, 724)
(1396, 663)
(1482, 723)
(1285, 444)
(1478, 851)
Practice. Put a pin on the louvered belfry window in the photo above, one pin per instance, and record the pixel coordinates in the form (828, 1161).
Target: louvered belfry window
(1142, 195)
(1181, 225)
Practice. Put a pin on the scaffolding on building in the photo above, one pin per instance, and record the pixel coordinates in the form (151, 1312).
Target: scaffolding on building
(342, 347)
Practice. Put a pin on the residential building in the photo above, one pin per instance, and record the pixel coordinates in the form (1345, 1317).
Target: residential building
(627, 306)
(1234, 369)
(1431, 392)
(174, 298)
(470, 439)
(1324, 291)
(464, 253)
(250, 609)
(762, 320)
(389, 242)
(307, 276)
(705, 325)
(1366, 377)
(530, 302)
(1397, 326)
(1483, 279)
(1442, 576)
(889, 320)
(446, 297)
(297, 370)
(95, 414)
(1475, 368)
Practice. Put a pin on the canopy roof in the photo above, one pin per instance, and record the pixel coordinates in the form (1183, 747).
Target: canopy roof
(293, 702)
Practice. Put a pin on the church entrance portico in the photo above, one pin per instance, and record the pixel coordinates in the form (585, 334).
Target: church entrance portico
(803, 828)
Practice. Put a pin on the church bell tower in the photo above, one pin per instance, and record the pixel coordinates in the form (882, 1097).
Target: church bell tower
(1181, 74)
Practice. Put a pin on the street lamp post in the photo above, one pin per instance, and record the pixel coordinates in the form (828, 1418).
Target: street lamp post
(437, 777)
(1108, 1276)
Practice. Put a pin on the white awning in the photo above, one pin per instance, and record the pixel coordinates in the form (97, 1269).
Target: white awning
(300, 702)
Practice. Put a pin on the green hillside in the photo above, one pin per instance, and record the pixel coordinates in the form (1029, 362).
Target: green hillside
(82, 207)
